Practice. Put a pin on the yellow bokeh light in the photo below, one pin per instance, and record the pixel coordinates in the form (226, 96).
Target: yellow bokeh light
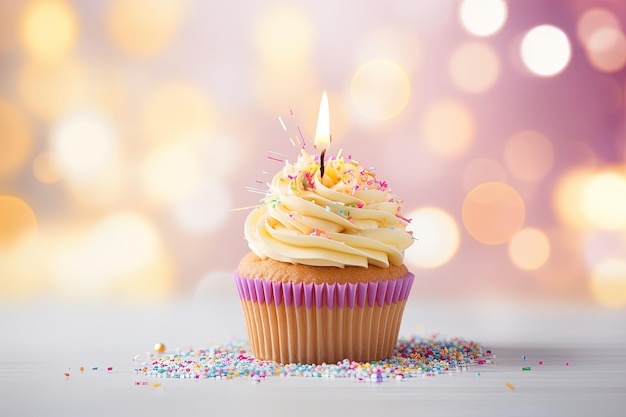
(567, 197)
(16, 138)
(483, 170)
(177, 111)
(606, 49)
(603, 200)
(121, 255)
(49, 90)
(546, 50)
(483, 17)
(529, 155)
(85, 146)
(437, 237)
(284, 38)
(145, 28)
(493, 212)
(45, 168)
(608, 282)
(48, 29)
(529, 248)
(171, 174)
(448, 127)
(380, 89)
(474, 67)
(17, 220)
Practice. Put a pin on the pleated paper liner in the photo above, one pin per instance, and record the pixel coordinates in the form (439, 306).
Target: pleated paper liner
(323, 323)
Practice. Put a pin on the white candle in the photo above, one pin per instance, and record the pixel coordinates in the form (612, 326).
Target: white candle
(322, 132)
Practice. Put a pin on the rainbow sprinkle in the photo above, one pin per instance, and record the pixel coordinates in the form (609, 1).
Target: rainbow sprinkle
(413, 357)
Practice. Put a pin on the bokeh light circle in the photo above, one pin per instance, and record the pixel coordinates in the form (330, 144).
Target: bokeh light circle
(380, 89)
(529, 155)
(474, 67)
(437, 237)
(16, 138)
(284, 38)
(17, 220)
(600, 33)
(529, 248)
(448, 127)
(603, 200)
(594, 19)
(608, 282)
(483, 17)
(48, 29)
(567, 197)
(606, 49)
(120, 255)
(493, 212)
(546, 50)
(85, 145)
(143, 27)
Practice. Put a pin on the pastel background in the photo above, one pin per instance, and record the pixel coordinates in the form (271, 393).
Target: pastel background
(134, 134)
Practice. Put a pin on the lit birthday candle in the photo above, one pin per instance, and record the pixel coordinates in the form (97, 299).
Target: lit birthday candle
(322, 132)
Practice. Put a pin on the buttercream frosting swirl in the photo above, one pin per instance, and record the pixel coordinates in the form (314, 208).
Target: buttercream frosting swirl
(345, 217)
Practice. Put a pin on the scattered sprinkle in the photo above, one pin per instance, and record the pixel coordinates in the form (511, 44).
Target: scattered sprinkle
(526, 368)
(413, 357)
(280, 119)
(509, 386)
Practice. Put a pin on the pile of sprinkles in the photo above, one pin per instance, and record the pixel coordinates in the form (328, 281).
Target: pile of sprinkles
(413, 357)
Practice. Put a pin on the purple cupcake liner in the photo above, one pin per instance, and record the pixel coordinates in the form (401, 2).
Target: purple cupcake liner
(329, 295)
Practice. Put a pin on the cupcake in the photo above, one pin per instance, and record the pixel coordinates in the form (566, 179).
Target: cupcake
(324, 279)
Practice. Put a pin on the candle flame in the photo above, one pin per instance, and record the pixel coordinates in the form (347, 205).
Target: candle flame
(322, 132)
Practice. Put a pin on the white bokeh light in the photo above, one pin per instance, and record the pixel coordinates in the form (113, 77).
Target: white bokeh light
(546, 50)
(85, 145)
(437, 237)
(483, 17)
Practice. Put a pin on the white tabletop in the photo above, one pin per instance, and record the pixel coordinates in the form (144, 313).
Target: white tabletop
(583, 351)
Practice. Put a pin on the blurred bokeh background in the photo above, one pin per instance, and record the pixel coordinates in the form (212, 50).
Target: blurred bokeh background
(133, 134)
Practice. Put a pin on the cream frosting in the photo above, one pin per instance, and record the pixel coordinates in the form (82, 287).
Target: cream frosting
(345, 217)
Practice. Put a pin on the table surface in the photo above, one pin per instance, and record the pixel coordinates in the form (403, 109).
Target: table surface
(45, 341)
